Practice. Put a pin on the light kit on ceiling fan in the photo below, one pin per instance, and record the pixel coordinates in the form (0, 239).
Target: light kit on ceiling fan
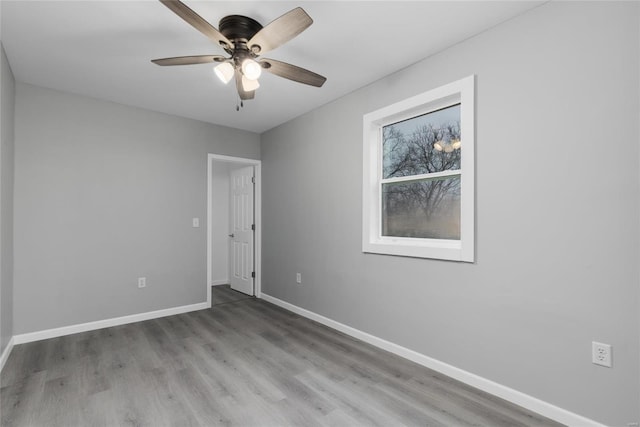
(245, 39)
(224, 71)
(251, 69)
(249, 84)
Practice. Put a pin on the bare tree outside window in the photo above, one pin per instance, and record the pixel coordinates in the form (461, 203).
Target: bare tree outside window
(418, 189)
(424, 147)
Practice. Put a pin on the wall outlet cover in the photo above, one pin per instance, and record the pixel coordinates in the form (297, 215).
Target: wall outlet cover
(601, 354)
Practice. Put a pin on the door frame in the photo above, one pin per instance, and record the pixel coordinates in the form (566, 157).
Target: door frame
(257, 203)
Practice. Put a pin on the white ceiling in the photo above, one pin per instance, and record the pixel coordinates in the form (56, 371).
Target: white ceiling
(103, 49)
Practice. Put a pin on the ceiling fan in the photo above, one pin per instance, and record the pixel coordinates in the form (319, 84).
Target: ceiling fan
(245, 40)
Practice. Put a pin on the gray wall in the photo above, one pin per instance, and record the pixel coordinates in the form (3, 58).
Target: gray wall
(220, 223)
(557, 213)
(7, 98)
(105, 193)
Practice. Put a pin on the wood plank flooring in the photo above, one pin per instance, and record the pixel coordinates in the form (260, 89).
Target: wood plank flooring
(222, 294)
(243, 362)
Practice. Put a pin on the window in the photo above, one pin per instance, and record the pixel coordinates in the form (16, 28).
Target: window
(418, 188)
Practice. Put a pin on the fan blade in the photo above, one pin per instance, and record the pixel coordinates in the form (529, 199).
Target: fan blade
(292, 72)
(243, 93)
(188, 60)
(197, 22)
(280, 31)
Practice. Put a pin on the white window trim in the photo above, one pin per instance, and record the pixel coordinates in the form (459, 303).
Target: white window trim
(463, 92)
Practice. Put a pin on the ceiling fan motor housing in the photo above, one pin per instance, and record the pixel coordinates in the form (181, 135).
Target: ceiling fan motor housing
(239, 29)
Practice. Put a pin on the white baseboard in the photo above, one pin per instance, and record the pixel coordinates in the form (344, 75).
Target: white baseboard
(529, 402)
(219, 282)
(6, 353)
(116, 321)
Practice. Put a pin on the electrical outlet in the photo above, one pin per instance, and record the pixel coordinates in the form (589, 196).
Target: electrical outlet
(601, 354)
(142, 282)
(195, 222)
(298, 278)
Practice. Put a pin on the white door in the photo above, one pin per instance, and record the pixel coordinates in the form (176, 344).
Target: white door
(242, 227)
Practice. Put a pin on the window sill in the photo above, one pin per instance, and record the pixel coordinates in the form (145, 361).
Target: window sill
(450, 250)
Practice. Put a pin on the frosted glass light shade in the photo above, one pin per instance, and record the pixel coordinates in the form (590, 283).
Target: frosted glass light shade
(224, 72)
(249, 85)
(251, 69)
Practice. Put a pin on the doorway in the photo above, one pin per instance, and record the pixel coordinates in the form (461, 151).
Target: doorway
(233, 224)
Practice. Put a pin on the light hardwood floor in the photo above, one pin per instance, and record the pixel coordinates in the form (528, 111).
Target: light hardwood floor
(244, 362)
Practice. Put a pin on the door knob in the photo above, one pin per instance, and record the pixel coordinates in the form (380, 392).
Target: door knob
(231, 235)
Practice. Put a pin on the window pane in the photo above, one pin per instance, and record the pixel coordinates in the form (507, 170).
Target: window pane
(422, 209)
(423, 144)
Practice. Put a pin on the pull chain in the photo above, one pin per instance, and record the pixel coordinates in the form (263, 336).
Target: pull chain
(241, 104)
